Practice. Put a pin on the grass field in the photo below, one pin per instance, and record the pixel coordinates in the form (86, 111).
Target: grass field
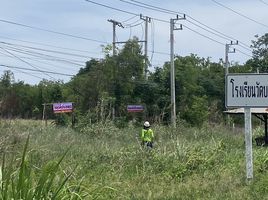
(104, 162)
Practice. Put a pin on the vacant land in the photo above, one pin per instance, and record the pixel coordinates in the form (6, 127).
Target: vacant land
(104, 162)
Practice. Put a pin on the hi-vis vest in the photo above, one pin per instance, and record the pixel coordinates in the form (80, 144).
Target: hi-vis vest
(147, 135)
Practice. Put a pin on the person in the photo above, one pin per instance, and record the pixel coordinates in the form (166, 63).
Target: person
(147, 135)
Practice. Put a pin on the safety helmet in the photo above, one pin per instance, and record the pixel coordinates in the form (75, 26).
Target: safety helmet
(146, 124)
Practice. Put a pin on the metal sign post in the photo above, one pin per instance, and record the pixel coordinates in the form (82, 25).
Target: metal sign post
(247, 91)
(248, 142)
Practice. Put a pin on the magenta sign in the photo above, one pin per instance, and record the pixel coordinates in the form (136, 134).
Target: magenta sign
(135, 108)
(62, 107)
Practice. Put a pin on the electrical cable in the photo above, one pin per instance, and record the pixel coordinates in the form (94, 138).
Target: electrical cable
(217, 33)
(240, 14)
(35, 70)
(51, 31)
(128, 19)
(243, 53)
(48, 45)
(264, 2)
(24, 61)
(131, 13)
(152, 39)
(44, 56)
(46, 50)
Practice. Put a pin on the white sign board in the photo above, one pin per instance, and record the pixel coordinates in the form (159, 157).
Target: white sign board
(246, 90)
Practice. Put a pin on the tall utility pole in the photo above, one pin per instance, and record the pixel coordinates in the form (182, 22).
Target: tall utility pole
(227, 51)
(115, 23)
(172, 70)
(147, 20)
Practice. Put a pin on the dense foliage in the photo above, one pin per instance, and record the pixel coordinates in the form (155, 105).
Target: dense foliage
(103, 88)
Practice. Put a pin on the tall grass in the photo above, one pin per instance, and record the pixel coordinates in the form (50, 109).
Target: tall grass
(22, 181)
(186, 163)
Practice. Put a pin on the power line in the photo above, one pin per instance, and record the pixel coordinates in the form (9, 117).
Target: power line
(45, 50)
(24, 61)
(243, 53)
(161, 20)
(147, 7)
(44, 56)
(227, 37)
(264, 2)
(240, 14)
(133, 25)
(48, 45)
(131, 13)
(158, 8)
(24, 72)
(51, 31)
(128, 19)
(36, 70)
(151, 18)
(203, 35)
(212, 30)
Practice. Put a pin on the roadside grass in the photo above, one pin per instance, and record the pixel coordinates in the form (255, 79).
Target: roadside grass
(101, 161)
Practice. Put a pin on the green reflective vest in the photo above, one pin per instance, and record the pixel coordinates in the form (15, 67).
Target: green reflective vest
(147, 135)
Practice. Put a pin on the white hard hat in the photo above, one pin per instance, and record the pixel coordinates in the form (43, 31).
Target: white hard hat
(146, 124)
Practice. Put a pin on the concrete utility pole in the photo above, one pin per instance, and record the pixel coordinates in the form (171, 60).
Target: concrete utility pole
(172, 70)
(147, 20)
(227, 51)
(115, 23)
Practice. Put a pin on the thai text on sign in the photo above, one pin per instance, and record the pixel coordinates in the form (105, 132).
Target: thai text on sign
(134, 108)
(247, 90)
(62, 107)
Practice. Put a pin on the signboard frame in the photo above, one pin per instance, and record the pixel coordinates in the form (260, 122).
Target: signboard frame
(245, 90)
(65, 107)
(135, 108)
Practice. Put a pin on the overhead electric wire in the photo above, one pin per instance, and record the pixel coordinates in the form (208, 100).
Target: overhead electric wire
(159, 52)
(132, 24)
(163, 9)
(128, 19)
(148, 7)
(44, 56)
(203, 35)
(35, 70)
(240, 14)
(227, 37)
(154, 19)
(131, 13)
(51, 31)
(264, 2)
(46, 50)
(152, 39)
(24, 61)
(48, 45)
(165, 21)
(217, 33)
(50, 64)
(25, 72)
(243, 53)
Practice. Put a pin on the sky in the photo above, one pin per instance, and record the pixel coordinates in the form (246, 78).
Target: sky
(52, 39)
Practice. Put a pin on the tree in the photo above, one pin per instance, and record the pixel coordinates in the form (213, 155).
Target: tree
(260, 54)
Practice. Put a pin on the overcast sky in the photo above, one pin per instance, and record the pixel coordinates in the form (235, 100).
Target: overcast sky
(73, 31)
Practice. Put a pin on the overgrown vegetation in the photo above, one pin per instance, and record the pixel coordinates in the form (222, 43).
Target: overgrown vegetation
(104, 88)
(105, 162)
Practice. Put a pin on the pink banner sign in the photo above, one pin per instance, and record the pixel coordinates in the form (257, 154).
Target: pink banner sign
(134, 108)
(62, 107)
